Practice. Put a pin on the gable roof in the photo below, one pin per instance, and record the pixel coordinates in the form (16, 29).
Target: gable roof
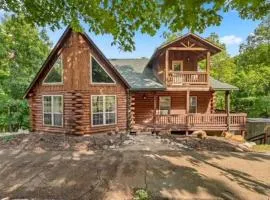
(213, 48)
(57, 47)
(141, 77)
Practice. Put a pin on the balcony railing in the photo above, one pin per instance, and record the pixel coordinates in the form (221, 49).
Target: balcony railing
(187, 78)
(200, 121)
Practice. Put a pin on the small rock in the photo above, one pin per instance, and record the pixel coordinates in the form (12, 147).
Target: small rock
(105, 146)
(112, 147)
(111, 141)
(166, 141)
(126, 142)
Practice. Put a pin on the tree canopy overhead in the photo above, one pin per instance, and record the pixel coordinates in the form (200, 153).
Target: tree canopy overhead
(123, 18)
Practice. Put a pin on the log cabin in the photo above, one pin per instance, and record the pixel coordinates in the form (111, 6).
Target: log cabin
(79, 91)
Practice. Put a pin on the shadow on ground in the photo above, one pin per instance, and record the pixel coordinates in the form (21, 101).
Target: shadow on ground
(114, 174)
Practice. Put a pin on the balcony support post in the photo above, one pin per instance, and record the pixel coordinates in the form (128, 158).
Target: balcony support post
(187, 111)
(208, 65)
(166, 66)
(155, 110)
(227, 108)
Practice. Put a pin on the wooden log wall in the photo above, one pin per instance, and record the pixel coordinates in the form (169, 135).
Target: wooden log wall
(77, 90)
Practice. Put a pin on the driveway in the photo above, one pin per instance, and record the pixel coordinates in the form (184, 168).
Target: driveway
(165, 171)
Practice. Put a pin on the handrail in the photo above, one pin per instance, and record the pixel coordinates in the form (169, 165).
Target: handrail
(187, 78)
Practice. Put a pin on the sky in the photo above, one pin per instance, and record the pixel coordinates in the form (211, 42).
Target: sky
(232, 31)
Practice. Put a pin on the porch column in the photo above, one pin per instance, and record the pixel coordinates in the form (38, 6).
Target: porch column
(187, 111)
(155, 109)
(187, 102)
(166, 66)
(208, 65)
(227, 108)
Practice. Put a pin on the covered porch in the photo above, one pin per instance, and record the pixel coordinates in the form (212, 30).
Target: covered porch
(182, 113)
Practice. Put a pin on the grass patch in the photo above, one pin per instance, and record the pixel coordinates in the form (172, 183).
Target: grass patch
(261, 148)
(8, 138)
(141, 194)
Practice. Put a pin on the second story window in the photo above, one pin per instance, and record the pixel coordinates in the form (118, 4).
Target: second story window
(55, 75)
(99, 74)
(177, 65)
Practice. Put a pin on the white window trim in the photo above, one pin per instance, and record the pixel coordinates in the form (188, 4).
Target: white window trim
(99, 83)
(55, 83)
(178, 62)
(104, 113)
(52, 125)
(195, 101)
(170, 104)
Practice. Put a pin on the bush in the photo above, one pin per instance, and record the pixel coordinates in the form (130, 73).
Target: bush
(141, 194)
(14, 115)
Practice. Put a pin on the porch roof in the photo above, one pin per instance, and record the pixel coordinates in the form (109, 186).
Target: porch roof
(141, 77)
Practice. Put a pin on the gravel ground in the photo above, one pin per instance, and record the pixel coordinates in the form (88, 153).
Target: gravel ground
(57, 166)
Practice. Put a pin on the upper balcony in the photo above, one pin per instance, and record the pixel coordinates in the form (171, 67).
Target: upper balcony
(186, 78)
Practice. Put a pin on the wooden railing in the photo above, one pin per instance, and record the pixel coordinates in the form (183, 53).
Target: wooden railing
(202, 120)
(187, 78)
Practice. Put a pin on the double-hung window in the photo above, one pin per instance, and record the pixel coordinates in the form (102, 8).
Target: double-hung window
(193, 104)
(103, 110)
(53, 110)
(164, 105)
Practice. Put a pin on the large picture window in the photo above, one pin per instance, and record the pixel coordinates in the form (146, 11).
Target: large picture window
(53, 110)
(99, 74)
(55, 75)
(193, 104)
(103, 110)
(164, 105)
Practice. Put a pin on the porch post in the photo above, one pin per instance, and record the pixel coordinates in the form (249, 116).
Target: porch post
(187, 102)
(227, 107)
(208, 65)
(166, 66)
(155, 109)
(187, 111)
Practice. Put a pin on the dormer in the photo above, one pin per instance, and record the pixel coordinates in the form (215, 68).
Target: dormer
(176, 63)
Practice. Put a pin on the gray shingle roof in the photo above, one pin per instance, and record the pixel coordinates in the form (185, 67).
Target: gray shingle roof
(140, 77)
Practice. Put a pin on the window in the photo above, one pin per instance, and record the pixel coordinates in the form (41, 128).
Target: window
(53, 110)
(177, 65)
(103, 110)
(55, 75)
(99, 75)
(164, 105)
(193, 104)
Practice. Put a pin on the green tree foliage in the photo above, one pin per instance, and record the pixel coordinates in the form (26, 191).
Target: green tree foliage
(249, 71)
(22, 50)
(253, 72)
(122, 19)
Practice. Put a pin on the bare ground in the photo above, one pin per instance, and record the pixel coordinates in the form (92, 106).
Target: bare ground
(114, 167)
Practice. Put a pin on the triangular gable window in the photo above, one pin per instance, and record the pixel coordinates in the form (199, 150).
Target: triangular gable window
(99, 75)
(55, 75)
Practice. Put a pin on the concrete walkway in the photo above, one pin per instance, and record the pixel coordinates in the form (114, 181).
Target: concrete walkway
(166, 171)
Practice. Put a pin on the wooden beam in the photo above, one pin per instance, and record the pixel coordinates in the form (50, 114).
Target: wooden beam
(187, 102)
(155, 109)
(208, 65)
(187, 48)
(227, 108)
(166, 66)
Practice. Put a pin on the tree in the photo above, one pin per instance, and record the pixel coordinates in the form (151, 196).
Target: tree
(122, 19)
(253, 72)
(23, 48)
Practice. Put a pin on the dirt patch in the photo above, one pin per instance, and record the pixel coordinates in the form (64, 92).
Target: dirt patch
(62, 142)
(212, 143)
